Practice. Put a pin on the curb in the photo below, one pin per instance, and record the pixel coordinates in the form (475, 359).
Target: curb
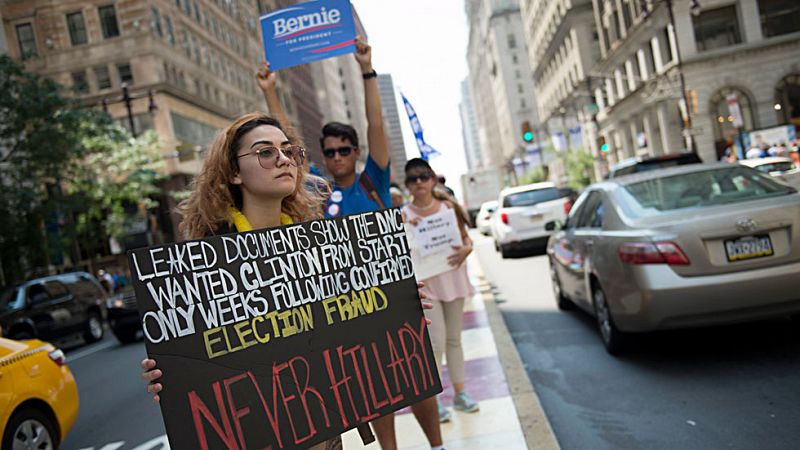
(535, 426)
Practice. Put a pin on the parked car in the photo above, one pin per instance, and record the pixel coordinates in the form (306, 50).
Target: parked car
(521, 214)
(483, 219)
(640, 164)
(54, 307)
(681, 247)
(38, 395)
(783, 169)
(123, 315)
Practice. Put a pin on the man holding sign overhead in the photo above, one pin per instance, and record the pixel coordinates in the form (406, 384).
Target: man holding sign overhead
(327, 29)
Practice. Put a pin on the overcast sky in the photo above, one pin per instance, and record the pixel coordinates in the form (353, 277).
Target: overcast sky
(423, 44)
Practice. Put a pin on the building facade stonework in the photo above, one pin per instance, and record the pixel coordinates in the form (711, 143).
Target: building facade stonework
(500, 81)
(394, 130)
(197, 57)
(744, 48)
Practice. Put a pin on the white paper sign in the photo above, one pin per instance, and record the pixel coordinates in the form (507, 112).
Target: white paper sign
(432, 241)
(437, 233)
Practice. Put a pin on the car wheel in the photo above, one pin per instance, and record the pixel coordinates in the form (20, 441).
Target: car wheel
(613, 339)
(94, 328)
(562, 301)
(21, 335)
(126, 336)
(504, 251)
(30, 429)
(496, 246)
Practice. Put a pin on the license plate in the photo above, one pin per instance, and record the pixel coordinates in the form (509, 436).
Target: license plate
(536, 217)
(748, 247)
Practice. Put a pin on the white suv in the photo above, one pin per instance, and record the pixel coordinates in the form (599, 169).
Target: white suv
(522, 213)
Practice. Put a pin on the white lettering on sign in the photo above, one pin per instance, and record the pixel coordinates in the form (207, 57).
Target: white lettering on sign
(284, 27)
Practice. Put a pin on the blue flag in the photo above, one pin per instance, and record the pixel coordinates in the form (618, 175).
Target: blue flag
(425, 150)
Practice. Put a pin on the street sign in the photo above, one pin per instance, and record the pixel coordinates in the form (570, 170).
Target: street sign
(734, 110)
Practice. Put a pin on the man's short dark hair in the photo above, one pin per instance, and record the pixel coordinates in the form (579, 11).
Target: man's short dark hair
(340, 130)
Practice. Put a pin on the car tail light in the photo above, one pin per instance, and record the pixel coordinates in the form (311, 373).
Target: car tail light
(653, 253)
(567, 207)
(58, 357)
(504, 218)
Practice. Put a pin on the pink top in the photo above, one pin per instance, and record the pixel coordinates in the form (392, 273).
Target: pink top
(447, 286)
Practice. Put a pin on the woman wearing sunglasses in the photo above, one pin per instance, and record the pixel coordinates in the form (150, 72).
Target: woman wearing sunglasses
(448, 290)
(252, 178)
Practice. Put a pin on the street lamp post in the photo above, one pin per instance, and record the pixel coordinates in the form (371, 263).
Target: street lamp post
(128, 99)
(694, 6)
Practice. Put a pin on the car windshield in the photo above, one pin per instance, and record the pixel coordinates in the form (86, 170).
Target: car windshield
(699, 189)
(529, 198)
(8, 296)
(780, 166)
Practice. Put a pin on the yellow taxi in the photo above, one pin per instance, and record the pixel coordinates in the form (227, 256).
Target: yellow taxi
(38, 395)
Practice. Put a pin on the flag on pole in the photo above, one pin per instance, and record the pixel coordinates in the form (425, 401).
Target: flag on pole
(425, 150)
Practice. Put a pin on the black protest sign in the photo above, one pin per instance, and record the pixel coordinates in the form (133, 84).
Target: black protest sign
(284, 337)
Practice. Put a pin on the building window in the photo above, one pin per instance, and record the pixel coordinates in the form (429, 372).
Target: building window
(170, 30)
(514, 59)
(103, 78)
(787, 100)
(108, 21)
(197, 15)
(27, 41)
(77, 28)
(155, 22)
(717, 28)
(512, 41)
(79, 82)
(125, 73)
(779, 17)
(519, 88)
(185, 43)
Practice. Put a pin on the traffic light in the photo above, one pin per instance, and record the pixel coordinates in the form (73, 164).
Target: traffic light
(602, 144)
(527, 132)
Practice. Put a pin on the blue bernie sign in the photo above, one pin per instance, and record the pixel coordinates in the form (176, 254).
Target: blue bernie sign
(308, 32)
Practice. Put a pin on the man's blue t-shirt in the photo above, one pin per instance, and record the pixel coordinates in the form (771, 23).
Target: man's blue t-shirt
(355, 198)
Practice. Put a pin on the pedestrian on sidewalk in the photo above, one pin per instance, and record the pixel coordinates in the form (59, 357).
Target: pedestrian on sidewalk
(448, 290)
(353, 192)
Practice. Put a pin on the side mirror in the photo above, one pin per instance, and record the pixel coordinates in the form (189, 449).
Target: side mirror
(553, 225)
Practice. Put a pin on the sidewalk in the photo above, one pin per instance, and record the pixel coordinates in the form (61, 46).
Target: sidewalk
(510, 416)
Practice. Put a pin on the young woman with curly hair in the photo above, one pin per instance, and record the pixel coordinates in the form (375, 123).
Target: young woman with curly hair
(253, 177)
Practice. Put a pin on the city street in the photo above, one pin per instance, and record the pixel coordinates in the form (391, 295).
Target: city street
(726, 387)
(116, 413)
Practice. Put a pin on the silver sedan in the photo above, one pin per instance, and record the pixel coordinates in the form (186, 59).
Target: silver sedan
(680, 247)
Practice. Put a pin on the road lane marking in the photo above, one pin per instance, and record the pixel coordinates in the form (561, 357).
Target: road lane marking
(75, 356)
(159, 443)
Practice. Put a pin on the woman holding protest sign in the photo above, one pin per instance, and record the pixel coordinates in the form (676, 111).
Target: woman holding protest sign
(252, 178)
(448, 289)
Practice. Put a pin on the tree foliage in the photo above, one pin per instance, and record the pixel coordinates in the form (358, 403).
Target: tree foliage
(66, 174)
(578, 164)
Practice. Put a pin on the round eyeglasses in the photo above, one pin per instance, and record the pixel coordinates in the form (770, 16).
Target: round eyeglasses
(268, 156)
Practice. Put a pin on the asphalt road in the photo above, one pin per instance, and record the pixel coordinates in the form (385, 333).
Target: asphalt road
(733, 387)
(116, 413)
